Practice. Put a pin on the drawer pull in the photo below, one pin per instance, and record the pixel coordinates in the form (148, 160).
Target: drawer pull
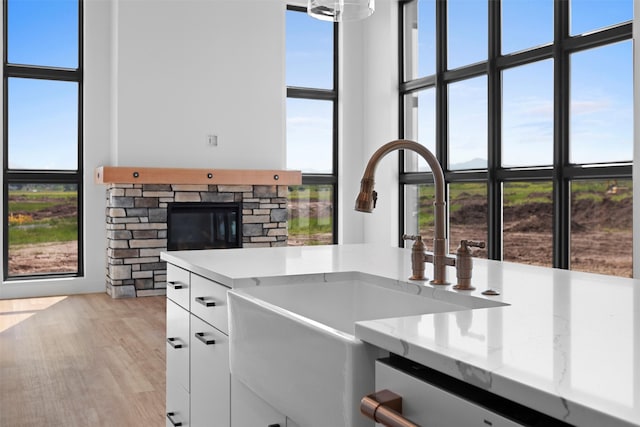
(176, 285)
(206, 302)
(170, 416)
(385, 407)
(202, 338)
(174, 342)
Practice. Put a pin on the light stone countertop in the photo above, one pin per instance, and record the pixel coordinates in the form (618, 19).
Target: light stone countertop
(567, 344)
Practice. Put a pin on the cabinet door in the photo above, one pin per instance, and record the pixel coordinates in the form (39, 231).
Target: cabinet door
(209, 302)
(247, 409)
(210, 378)
(177, 364)
(177, 406)
(178, 285)
(177, 345)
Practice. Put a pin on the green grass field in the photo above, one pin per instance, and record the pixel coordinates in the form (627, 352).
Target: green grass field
(39, 216)
(518, 193)
(514, 194)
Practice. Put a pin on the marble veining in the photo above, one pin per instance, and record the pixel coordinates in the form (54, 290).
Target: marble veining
(474, 376)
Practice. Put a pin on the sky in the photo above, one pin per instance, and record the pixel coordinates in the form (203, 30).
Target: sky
(309, 63)
(43, 115)
(601, 86)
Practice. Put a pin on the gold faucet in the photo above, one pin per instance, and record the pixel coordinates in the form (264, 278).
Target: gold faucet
(366, 201)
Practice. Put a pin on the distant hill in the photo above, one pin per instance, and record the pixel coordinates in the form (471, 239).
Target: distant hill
(471, 164)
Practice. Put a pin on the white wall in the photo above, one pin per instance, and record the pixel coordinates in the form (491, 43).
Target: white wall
(200, 67)
(370, 119)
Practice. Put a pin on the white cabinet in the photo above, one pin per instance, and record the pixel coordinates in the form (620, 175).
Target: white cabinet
(177, 355)
(432, 399)
(198, 379)
(178, 285)
(210, 379)
(177, 406)
(209, 302)
(200, 391)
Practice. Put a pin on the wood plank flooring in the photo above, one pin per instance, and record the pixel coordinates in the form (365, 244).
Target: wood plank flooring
(82, 360)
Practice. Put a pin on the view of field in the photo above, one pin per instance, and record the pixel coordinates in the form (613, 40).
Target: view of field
(601, 221)
(43, 229)
(43, 223)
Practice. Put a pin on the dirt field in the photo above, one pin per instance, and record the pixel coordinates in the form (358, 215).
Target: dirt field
(601, 234)
(45, 258)
(601, 238)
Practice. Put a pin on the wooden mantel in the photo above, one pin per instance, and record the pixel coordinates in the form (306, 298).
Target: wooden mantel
(135, 175)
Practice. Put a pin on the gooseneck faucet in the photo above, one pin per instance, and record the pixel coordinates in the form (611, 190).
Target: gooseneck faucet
(367, 198)
(366, 201)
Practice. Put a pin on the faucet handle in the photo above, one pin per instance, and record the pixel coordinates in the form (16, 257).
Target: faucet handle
(417, 256)
(464, 264)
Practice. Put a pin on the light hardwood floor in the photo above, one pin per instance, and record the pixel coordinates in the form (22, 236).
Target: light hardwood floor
(82, 360)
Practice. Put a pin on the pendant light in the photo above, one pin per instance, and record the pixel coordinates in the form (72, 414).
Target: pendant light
(340, 10)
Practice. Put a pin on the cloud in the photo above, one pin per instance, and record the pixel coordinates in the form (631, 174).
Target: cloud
(589, 106)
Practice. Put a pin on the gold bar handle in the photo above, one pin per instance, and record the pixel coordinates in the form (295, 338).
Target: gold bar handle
(385, 407)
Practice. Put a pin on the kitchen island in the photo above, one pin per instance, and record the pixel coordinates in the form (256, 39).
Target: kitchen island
(563, 343)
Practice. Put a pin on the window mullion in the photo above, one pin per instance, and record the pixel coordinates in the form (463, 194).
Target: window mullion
(494, 127)
(36, 72)
(561, 185)
(441, 88)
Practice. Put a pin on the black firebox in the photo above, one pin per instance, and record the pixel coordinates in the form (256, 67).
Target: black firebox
(192, 225)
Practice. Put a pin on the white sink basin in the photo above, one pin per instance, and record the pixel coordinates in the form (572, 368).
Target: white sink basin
(294, 345)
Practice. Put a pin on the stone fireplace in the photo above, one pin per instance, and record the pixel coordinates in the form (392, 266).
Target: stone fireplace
(136, 217)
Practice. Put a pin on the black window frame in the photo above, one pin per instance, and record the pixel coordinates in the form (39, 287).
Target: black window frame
(562, 171)
(34, 176)
(331, 95)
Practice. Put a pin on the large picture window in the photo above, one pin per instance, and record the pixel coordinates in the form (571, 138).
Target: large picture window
(528, 106)
(42, 129)
(312, 123)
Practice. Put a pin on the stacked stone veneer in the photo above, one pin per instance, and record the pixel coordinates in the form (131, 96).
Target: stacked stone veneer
(136, 217)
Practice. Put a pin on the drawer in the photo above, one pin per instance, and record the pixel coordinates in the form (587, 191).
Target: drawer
(431, 406)
(177, 346)
(209, 302)
(178, 285)
(177, 412)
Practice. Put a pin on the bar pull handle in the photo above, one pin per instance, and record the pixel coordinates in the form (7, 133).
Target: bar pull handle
(177, 285)
(206, 302)
(174, 342)
(385, 407)
(203, 339)
(170, 416)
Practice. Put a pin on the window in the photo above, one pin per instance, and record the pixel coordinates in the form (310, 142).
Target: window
(312, 94)
(42, 166)
(528, 106)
